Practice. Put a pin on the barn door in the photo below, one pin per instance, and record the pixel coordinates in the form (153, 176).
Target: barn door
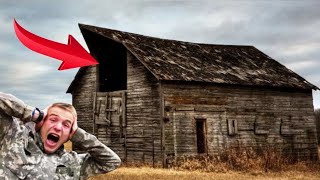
(201, 136)
(110, 120)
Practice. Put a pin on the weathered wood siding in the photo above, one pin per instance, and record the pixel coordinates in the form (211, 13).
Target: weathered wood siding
(143, 131)
(82, 98)
(238, 116)
(110, 121)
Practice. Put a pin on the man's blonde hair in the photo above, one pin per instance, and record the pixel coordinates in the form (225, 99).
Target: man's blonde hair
(65, 106)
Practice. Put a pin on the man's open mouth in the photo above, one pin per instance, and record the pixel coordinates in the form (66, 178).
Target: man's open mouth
(53, 137)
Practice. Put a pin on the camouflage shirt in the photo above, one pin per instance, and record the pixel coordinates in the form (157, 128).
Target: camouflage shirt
(22, 155)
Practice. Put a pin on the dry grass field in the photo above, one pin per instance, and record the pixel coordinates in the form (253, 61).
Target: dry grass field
(68, 146)
(145, 173)
(196, 170)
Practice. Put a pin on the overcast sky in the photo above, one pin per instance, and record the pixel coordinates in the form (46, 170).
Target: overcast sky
(288, 31)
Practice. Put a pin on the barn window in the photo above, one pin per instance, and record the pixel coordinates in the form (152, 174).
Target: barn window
(232, 127)
(112, 58)
(262, 123)
(113, 70)
(201, 135)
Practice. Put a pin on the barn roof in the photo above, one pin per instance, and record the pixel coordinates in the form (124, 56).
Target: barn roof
(187, 61)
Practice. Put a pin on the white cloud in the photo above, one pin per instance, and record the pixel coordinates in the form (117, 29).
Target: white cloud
(298, 49)
(301, 65)
(316, 100)
(28, 70)
(288, 31)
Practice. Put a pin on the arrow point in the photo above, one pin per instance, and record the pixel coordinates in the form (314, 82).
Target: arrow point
(76, 46)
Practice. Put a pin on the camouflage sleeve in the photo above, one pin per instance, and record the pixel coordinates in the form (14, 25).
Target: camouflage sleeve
(99, 159)
(13, 106)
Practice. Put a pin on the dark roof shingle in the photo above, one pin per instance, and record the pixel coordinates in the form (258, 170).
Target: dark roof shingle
(222, 64)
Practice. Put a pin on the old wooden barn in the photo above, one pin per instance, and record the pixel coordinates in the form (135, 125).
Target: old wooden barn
(154, 99)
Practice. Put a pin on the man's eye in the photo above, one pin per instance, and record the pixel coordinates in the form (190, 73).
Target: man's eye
(53, 120)
(66, 125)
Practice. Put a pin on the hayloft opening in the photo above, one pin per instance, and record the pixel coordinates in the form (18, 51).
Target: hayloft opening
(112, 57)
(201, 135)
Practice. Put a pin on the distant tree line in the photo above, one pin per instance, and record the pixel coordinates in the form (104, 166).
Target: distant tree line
(317, 114)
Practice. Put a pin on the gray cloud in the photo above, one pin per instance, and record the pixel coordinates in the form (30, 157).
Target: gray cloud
(285, 30)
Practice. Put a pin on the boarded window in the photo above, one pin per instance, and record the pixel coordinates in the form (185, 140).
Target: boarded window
(262, 123)
(232, 127)
(287, 127)
(201, 135)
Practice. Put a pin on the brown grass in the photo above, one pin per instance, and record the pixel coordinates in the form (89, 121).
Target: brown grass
(68, 146)
(235, 164)
(235, 159)
(146, 173)
(245, 160)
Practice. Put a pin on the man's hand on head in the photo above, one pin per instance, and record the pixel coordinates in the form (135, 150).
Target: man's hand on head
(39, 124)
(74, 128)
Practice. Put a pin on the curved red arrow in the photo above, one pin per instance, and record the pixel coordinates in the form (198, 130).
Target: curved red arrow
(72, 55)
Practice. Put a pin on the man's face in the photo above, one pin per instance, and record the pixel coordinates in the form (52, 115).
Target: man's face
(56, 128)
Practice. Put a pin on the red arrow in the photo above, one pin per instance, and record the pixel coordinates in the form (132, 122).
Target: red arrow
(72, 55)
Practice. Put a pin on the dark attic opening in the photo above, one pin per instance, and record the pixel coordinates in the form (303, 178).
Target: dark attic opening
(112, 58)
(201, 135)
